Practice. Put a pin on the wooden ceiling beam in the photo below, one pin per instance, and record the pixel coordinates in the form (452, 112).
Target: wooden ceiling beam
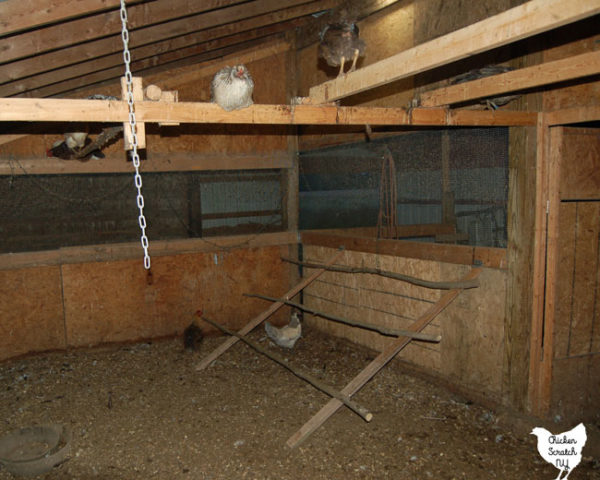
(562, 70)
(18, 15)
(153, 54)
(75, 110)
(528, 19)
(147, 23)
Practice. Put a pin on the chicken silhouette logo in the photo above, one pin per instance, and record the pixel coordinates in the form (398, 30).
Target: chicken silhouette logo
(563, 450)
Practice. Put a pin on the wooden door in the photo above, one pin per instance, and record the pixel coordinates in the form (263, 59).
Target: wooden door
(572, 303)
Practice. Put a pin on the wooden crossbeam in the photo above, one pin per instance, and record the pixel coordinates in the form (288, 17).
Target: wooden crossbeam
(570, 68)
(206, 361)
(531, 18)
(114, 111)
(155, 162)
(378, 363)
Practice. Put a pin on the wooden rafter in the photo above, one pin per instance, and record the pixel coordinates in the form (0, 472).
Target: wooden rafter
(200, 46)
(531, 18)
(148, 40)
(17, 15)
(74, 110)
(570, 68)
(145, 22)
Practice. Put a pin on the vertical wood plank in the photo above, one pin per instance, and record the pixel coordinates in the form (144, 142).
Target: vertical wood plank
(138, 96)
(539, 266)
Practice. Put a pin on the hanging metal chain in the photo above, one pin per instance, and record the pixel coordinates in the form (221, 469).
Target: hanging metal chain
(134, 142)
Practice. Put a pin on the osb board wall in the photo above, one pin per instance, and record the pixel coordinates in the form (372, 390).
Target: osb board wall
(268, 68)
(31, 311)
(580, 175)
(472, 328)
(85, 304)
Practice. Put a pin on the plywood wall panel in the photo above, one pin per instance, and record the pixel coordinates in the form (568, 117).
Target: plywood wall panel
(580, 167)
(113, 302)
(576, 390)
(473, 333)
(472, 328)
(587, 261)
(31, 317)
(565, 271)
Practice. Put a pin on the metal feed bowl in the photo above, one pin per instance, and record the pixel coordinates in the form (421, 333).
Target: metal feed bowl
(33, 451)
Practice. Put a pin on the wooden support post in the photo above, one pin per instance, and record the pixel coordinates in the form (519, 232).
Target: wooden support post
(138, 96)
(377, 364)
(315, 382)
(264, 315)
(448, 215)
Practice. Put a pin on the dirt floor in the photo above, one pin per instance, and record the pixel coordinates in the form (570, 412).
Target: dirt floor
(143, 411)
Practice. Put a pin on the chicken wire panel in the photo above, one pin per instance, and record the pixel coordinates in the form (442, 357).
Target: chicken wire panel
(40, 212)
(242, 199)
(340, 186)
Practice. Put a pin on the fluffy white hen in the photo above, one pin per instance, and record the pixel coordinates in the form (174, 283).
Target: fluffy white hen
(563, 450)
(288, 335)
(232, 88)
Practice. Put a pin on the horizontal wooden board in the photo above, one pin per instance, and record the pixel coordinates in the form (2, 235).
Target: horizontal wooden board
(155, 162)
(461, 254)
(74, 110)
(123, 251)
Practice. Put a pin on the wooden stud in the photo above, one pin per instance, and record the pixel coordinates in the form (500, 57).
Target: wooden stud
(531, 18)
(138, 96)
(377, 364)
(539, 267)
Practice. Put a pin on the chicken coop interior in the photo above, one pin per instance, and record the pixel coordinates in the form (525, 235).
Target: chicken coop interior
(217, 213)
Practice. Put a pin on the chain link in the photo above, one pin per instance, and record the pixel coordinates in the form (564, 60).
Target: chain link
(134, 139)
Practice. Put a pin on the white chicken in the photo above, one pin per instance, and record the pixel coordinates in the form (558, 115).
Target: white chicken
(563, 450)
(288, 335)
(232, 88)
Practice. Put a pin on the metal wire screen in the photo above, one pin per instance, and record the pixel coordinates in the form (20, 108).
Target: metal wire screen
(340, 187)
(40, 212)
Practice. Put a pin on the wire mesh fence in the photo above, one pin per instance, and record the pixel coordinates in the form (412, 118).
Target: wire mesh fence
(465, 169)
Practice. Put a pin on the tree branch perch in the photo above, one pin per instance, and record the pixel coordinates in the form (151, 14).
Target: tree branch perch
(315, 382)
(464, 284)
(369, 326)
